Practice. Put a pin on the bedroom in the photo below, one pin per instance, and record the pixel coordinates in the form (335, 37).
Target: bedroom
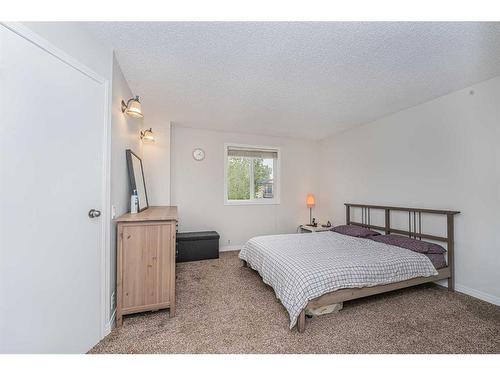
(231, 140)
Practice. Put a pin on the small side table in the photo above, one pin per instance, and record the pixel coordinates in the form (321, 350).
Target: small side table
(311, 229)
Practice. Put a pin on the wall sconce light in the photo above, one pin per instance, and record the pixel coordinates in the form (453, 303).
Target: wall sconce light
(132, 108)
(147, 136)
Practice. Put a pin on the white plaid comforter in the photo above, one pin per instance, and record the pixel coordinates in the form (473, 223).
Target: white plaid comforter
(301, 267)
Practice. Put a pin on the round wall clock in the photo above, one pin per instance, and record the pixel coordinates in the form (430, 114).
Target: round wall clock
(198, 154)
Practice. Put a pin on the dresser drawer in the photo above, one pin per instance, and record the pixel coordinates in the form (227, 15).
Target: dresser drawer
(147, 257)
(145, 266)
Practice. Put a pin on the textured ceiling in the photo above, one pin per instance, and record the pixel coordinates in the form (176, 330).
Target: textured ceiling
(295, 79)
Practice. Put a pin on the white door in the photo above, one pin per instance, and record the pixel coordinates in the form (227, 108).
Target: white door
(52, 128)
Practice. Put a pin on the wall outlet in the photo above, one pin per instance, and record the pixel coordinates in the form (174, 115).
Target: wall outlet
(113, 302)
(229, 242)
(113, 212)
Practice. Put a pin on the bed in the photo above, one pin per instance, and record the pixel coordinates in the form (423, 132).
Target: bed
(308, 271)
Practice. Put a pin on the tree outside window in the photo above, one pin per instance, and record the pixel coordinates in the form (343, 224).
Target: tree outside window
(250, 175)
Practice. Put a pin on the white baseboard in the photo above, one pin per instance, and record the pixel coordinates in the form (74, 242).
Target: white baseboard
(478, 294)
(472, 292)
(230, 248)
(111, 324)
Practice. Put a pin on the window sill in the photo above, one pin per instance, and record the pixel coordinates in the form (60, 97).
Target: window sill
(251, 202)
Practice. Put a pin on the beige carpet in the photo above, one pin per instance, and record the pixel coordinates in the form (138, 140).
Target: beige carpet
(225, 308)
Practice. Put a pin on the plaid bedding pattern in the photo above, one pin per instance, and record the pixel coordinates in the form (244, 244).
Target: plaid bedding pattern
(301, 267)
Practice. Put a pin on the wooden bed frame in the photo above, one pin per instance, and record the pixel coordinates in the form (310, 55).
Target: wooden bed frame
(414, 231)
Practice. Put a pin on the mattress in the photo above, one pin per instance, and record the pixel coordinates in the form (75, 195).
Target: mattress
(301, 267)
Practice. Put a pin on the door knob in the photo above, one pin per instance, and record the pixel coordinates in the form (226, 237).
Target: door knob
(94, 213)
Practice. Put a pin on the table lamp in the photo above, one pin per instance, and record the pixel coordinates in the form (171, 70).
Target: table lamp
(311, 202)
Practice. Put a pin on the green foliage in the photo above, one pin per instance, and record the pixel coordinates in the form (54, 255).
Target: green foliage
(261, 173)
(239, 177)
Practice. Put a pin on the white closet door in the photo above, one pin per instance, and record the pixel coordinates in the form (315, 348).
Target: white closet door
(51, 174)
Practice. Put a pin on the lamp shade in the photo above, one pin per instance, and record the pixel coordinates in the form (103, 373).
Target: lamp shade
(133, 108)
(310, 201)
(147, 136)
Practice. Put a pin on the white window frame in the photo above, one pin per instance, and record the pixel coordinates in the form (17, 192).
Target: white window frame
(276, 171)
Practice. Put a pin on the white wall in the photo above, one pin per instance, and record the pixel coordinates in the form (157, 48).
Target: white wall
(124, 134)
(198, 187)
(156, 163)
(441, 154)
(78, 43)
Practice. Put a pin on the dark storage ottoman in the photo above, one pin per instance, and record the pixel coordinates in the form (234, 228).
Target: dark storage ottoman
(197, 246)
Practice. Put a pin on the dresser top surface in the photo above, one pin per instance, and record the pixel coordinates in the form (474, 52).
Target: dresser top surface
(152, 213)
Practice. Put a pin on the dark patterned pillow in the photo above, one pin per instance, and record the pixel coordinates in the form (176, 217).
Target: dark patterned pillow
(411, 244)
(355, 231)
(438, 260)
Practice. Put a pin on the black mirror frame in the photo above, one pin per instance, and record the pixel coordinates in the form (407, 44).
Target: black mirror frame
(131, 175)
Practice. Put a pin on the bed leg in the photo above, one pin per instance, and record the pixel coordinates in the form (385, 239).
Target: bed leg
(451, 253)
(451, 284)
(301, 322)
(244, 263)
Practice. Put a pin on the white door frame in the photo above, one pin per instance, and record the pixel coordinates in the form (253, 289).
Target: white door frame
(29, 35)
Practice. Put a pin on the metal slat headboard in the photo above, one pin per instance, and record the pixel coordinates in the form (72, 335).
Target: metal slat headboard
(414, 225)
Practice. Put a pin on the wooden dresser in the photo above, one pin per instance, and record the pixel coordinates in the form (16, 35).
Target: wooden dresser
(145, 261)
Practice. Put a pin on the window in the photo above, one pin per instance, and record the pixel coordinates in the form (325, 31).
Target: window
(251, 175)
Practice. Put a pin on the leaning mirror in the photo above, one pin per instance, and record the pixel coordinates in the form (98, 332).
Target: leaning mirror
(136, 177)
